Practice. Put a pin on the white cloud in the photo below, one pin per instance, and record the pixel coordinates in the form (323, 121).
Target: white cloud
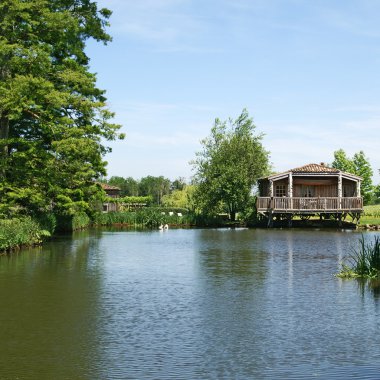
(164, 25)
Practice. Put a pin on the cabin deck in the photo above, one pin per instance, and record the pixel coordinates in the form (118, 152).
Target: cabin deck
(309, 205)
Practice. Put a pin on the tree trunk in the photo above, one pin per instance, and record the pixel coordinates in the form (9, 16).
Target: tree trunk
(233, 216)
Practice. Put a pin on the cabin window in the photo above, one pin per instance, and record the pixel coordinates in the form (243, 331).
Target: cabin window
(280, 191)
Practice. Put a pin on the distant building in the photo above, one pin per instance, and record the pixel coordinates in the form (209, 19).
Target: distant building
(112, 192)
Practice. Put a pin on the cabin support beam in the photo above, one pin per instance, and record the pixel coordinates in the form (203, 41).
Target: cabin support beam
(271, 188)
(340, 192)
(358, 185)
(290, 190)
(290, 186)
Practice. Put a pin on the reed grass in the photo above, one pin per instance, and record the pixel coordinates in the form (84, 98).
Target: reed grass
(146, 217)
(363, 262)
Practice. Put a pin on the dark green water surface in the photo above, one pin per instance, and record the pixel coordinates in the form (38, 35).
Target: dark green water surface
(188, 304)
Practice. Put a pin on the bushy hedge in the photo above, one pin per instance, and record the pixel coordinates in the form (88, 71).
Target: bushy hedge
(15, 233)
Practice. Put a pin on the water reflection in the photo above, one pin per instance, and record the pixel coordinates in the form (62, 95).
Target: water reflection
(232, 270)
(229, 253)
(48, 313)
(187, 304)
(369, 286)
(289, 239)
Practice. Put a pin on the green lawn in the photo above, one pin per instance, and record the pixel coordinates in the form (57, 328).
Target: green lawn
(371, 215)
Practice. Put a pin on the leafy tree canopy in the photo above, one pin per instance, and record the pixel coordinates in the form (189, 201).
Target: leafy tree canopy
(157, 187)
(359, 165)
(231, 161)
(53, 118)
(181, 198)
(128, 186)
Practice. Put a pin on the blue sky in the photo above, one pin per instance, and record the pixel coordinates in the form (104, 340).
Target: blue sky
(307, 71)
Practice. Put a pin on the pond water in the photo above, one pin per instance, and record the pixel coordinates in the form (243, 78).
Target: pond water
(188, 304)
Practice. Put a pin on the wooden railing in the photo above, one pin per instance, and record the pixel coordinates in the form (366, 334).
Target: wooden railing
(326, 204)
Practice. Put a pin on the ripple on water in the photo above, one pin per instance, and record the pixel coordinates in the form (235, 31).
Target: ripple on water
(190, 304)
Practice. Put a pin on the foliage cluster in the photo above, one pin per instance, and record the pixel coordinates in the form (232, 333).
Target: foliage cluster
(53, 118)
(155, 187)
(181, 198)
(363, 262)
(358, 165)
(18, 232)
(376, 194)
(232, 160)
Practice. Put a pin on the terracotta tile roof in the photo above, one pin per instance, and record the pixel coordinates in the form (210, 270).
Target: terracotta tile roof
(315, 168)
(312, 169)
(106, 186)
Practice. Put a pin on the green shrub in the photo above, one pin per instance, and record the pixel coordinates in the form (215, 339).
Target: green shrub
(15, 233)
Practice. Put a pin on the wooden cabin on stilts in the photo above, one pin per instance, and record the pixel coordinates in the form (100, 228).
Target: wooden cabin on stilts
(310, 190)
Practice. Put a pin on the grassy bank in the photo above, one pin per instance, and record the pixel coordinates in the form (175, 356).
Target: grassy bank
(16, 233)
(371, 215)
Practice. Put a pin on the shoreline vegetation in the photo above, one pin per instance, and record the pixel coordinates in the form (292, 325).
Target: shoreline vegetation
(364, 262)
(27, 231)
(20, 232)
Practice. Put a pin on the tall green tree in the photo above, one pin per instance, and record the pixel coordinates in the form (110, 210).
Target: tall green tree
(376, 194)
(156, 187)
(342, 162)
(178, 184)
(53, 118)
(231, 161)
(358, 165)
(128, 186)
(363, 169)
(181, 198)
